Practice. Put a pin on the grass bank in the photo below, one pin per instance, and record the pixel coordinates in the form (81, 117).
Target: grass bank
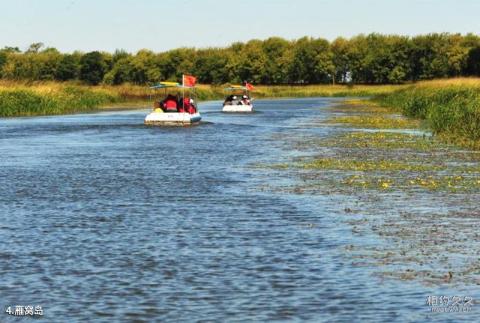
(282, 91)
(50, 98)
(450, 108)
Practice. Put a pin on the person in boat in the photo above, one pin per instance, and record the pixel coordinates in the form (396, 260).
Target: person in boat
(245, 100)
(188, 106)
(235, 100)
(158, 107)
(228, 100)
(192, 109)
(182, 107)
(170, 103)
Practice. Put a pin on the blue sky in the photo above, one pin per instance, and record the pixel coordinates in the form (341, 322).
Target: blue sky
(165, 24)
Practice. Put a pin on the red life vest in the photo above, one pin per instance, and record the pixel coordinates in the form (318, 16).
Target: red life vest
(186, 104)
(171, 105)
(191, 109)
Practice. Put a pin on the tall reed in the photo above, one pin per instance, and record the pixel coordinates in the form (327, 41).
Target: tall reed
(44, 98)
(450, 107)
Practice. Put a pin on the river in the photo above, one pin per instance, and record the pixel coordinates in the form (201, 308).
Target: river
(104, 219)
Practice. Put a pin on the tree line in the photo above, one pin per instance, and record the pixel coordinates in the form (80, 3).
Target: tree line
(363, 59)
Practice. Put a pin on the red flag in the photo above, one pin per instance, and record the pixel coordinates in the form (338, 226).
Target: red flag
(249, 86)
(189, 80)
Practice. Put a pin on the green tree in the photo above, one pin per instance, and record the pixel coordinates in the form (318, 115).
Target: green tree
(438, 55)
(48, 61)
(34, 48)
(372, 58)
(457, 55)
(312, 61)
(31, 65)
(251, 63)
(143, 67)
(8, 49)
(211, 65)
(387, 59)
(119, 54)
(92, 68)
(176, 62)
(275, 49)
(3, 61)
(473, 62)
(68, 68)
(324, 67)
(122, 72)
(340, 59)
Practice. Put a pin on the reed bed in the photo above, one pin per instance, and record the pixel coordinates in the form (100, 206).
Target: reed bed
(324, 90)
(50, 98)
(210, 92)
(451, 108)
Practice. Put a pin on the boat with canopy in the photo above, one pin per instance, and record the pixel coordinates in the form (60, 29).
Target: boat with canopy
(239, 99)
(178, 106)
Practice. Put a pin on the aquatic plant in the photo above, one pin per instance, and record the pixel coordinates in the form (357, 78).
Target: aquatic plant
(376, 122)
(366, 165)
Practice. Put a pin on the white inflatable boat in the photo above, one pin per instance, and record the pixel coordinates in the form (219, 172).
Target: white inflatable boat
(178, 109)
(238, 108)
(172, 118)
(239, 100)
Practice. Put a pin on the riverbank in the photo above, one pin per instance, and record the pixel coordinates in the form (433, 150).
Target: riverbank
(52, 98)
(449, 108)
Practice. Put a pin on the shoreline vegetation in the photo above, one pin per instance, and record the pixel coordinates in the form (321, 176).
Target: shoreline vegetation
(450, 108)
(52, 98)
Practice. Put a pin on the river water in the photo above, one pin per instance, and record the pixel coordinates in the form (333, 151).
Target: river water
(104, 219)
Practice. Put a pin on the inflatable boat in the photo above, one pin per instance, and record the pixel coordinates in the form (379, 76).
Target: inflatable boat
(178, 109)
(238, 108)
(239, 100)
(157, 118)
